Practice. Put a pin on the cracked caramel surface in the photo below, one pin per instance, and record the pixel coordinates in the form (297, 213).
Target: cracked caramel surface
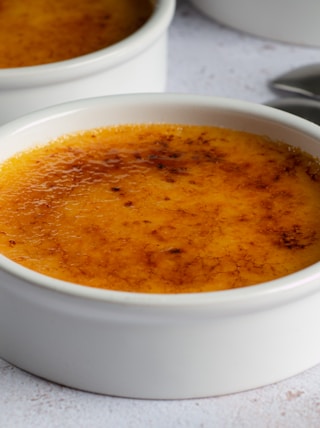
(37, 32)
(161, 209)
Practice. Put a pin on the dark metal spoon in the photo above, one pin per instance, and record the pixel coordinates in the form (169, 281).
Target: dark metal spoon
(304, 107)
(303, 81)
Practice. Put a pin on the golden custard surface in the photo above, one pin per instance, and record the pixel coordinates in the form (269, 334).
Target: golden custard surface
(37, 32)
(161, 208)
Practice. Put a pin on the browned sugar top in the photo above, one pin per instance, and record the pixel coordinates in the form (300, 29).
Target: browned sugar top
(37, 32)
(162, 209)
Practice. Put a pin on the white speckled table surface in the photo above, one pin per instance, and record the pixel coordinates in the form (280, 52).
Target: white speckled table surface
(205, 58)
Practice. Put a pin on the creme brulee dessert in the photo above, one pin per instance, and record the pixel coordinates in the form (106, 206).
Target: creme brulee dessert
(161, 209)
(37, 32)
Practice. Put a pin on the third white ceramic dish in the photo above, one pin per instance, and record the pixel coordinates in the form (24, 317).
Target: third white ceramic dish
(293, 21)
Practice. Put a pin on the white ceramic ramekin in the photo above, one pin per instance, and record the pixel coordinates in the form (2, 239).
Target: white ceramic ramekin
(136, 64)
(159, 346)
(292, 21)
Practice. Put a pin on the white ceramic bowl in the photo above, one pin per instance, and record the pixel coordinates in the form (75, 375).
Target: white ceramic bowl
(292, 21)
(135, 64)
(158, 346)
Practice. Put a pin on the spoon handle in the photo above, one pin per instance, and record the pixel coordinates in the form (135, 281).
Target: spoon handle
(304, 107)
(303, 81)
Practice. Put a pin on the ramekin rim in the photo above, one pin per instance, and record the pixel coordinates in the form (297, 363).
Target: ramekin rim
(108, 57)
(277, 286)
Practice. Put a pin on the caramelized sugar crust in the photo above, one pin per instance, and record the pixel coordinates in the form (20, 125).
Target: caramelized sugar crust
(162, 209)
(37, 32)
